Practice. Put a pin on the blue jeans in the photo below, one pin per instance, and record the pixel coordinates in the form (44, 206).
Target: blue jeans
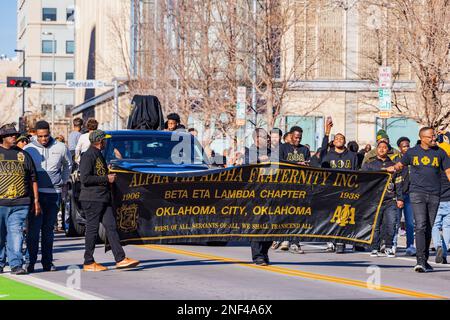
(409, 222)
(43, 225)
(3, 217)
(15, 221)
(442, 222)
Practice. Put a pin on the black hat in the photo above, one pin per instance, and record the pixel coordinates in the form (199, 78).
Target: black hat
(97, 136)
(401, 139)
(6, 131)
(24, 137)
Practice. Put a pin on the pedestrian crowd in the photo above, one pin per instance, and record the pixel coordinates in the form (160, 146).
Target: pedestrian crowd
(35, 169)
(34, 174)
(419, 189)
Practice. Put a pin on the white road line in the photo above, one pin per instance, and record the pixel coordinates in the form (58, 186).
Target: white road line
(53, 287)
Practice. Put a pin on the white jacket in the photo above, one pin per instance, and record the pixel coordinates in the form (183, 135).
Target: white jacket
(53, 164)
(82, 145)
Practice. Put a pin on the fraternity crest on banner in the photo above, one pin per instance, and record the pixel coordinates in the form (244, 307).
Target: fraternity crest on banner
(127, 217)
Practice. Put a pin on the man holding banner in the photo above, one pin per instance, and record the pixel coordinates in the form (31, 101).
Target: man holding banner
(393, 199)
(257, 153)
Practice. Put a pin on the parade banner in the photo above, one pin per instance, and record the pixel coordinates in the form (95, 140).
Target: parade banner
(262, 202)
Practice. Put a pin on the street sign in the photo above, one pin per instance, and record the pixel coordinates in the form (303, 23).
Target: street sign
(241, 106)
(87, 84)
(384, 77)
(384, 114)
(385, 99)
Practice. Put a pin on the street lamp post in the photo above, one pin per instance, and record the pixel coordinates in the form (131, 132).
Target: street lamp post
(53, 76)
(23, 75)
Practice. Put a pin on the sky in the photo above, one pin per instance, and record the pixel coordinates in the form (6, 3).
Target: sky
(8, 26)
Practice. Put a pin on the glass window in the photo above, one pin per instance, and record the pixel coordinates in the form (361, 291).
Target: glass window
(48, 14)
(313, 128)
(157, 149)
(47, 76)
(69, 75)
(68, 110)
(46, 110)
(70, 47)
(47, 46)
(70, 14)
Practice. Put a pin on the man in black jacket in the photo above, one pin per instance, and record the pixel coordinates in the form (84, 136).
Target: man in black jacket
(393, 199)
(340, 158)
(295, 152)
(95, 200)
(403, 144)
(257, 153)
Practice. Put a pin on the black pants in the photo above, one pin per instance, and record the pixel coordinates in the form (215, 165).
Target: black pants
(260, 250)
(425, 207)
(96, 212)
(385, 228)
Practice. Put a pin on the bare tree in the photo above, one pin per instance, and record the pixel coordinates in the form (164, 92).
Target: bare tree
(193, 54)
(418, 33)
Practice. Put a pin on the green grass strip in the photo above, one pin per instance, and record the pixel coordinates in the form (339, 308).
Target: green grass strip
(13, 290)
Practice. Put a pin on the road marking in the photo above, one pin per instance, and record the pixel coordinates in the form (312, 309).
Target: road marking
(412, 259)
(298, 273)
(53, 287)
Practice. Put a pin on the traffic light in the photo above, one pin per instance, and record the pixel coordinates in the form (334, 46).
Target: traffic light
(18, 82)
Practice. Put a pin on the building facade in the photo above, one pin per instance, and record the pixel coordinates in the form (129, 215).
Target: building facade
(9, 97)
(102, 35)
(332, 51)
(45, 32)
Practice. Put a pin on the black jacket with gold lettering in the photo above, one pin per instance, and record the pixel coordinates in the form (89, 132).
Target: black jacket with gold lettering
(346, 160)
(395, 188)
(291, 153)
(94, 177)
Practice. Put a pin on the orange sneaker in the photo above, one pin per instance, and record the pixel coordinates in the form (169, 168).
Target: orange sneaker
(95, 267)
(127, 263)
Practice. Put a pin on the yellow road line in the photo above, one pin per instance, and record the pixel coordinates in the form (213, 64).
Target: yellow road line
(298, 273)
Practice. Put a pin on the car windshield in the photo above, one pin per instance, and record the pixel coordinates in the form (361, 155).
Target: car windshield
(159, 149)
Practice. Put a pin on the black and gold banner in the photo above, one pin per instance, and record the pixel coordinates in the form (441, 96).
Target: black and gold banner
(274, 201)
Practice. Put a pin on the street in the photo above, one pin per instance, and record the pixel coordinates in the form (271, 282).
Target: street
(188, 272)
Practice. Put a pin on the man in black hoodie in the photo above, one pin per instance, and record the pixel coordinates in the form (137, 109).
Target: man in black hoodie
(393, 200)
(295, 152)
(340, 158)
(95, 198)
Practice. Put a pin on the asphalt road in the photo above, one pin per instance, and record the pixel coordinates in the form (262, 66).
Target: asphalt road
(200, 272)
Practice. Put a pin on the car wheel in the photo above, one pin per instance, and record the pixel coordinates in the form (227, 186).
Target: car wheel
(73, 228)
(101, 234)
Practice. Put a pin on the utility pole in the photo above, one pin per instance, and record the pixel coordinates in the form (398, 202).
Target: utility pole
(23, 75)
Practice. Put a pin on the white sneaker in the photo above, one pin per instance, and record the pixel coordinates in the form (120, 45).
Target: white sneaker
(330, 247)
(411, 251)
(284, 246)
(296, 248)
(389, 253)
(394, 249)
(275, 245)
(374, 253)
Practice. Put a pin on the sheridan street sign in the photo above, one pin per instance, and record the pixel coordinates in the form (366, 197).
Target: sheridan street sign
(85, 84)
